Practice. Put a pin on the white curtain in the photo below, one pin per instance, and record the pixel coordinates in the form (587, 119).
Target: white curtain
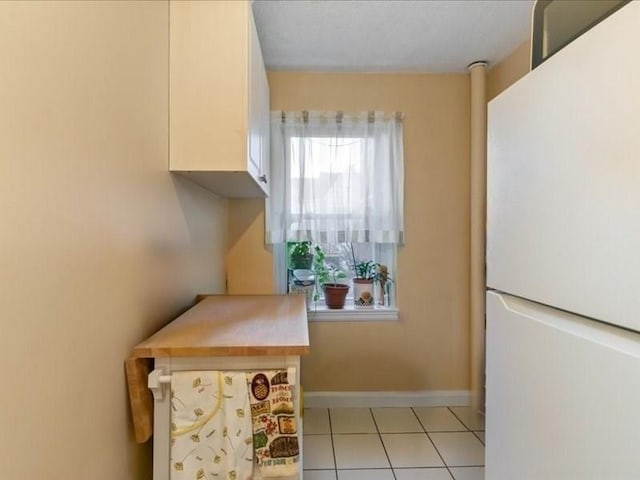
(336, 178)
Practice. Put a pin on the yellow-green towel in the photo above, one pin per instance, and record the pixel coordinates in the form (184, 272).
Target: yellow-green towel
(211, 434)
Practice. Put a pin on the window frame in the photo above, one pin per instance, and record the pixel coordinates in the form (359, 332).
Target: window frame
(341, 225)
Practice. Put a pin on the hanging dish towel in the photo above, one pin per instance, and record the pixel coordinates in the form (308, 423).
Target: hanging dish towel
(211, 433)
(275, 432)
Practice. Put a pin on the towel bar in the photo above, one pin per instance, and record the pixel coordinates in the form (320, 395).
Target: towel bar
(157, 379)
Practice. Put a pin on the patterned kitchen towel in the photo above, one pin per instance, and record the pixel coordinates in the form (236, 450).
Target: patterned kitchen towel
(275, 432)
(211, 433)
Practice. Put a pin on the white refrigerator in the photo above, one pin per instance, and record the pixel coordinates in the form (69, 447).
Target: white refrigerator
(563, 264)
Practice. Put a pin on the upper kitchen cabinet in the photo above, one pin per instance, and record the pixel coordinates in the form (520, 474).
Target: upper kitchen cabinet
(219, 98)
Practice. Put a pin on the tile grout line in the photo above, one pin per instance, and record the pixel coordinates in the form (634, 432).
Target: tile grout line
(384, 447)
(459, 419)
(432, 443)
(382, 469)
(470, 431)
(427, 433)
(464, 424)
(475, 432)
(392, 433)
(333, 448)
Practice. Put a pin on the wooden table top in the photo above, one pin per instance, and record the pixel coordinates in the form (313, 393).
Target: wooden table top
(234, 325)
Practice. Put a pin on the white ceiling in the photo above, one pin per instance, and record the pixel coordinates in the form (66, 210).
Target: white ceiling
(389, 35)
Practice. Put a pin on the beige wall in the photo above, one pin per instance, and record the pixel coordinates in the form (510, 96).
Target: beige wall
(509, 70)
(249, 261)
(100, 245)
(428, 348)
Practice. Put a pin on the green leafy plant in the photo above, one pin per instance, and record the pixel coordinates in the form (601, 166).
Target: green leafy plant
(300, 255)
(325, 272)
(336, 274)
(320, 268)
(364, 269)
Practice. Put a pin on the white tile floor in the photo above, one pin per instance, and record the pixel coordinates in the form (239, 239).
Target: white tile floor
(432, 443)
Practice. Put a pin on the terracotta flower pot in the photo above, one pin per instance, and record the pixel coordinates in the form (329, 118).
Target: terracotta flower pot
(335, 295)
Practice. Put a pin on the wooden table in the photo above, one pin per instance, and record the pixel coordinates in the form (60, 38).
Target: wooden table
(221, 332)
(234, 325)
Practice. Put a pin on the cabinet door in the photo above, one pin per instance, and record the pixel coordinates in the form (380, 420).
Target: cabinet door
(208, 86)
(256, 67)
(266, 133)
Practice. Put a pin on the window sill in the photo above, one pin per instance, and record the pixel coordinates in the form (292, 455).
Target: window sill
(349, 313)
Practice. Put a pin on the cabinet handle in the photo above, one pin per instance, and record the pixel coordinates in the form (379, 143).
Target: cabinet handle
(263, 178)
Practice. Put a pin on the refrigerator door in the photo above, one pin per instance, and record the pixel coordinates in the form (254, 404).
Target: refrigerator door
(562, 395)
(564, 177)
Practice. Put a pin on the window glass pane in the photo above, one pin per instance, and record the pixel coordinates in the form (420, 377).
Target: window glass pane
(336, 178)
(323, 168)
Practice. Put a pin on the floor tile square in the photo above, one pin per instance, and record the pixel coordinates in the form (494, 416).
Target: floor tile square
(396, 420)
(467, 473)
(318, 452)
(352, 420)
(411, 450)
(316, 421)
(471, 419)
(359, 451)
(459, 449)
(421, 474)
(365, 475)
(438, 419)
(319, 475)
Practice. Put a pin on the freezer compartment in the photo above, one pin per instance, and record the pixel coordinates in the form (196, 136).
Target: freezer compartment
(562, 395)
(563, 218)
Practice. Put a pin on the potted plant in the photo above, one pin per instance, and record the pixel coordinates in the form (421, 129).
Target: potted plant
(366, 273)
(335, 294)
(384, 280)
(301, 278)
(300, 255)
(327, 277)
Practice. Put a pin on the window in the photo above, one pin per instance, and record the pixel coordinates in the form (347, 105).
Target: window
(309, 265)
(336, 197)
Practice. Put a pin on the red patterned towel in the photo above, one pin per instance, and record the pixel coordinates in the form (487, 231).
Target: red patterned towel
(275, 430)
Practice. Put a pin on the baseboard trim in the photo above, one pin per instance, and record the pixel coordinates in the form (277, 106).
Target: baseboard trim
(424, 398)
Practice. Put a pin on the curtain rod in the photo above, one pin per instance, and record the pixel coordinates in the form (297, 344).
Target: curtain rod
(399, 116)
